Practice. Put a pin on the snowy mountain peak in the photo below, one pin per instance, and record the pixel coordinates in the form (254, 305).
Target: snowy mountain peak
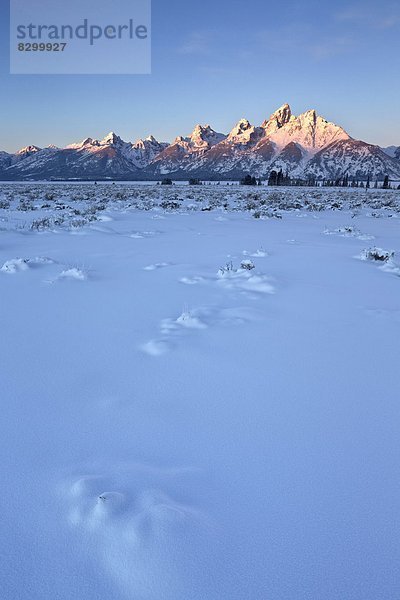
(179, 139)
(241, 130)
(310, 115)
(29, 150)
(300, 145)
(111, 139)
(308, 129)
(392, 151)
(86, 143)
(205, 136)
(278, 119)
(150, 141)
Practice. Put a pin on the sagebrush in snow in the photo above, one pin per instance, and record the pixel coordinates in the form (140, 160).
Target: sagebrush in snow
(247, 264)
(377, 254)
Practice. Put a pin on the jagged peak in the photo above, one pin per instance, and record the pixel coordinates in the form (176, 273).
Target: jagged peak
(84, 143)
(205, 134)
(242, 126)
(110, 139)
(202, 129)
(310, 115)
(150, 139)
(29, 150)
(179, 139)
(278, 119)
(283, 114)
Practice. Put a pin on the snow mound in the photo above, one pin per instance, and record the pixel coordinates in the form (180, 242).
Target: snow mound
(191, 280)
(155, 347)
(376, 254)
(260, 253)
(138, 530)
(244, 280)
(390, 266)
(155, 266)
(349, 231)
(188, 320)
(15, 265)
(73, 273)
(247, 264)
(41, 260)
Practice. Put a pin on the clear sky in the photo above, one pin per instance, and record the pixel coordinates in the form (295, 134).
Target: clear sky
(215, 61)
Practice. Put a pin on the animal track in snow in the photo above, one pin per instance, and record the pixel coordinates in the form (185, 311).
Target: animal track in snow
(191, 280)
(260, 253)
(156, 347)
(135, 522)
(73, 273)
(199, 319)
(144, 234)
(170, 328)
(187, 320)
(17, 265)
(156, 266)
(245, 280)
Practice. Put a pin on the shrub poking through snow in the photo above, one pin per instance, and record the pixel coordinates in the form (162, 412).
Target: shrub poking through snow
(14, 265)
(377, 254)
(247, 264)
(170, 205)
(228, 268)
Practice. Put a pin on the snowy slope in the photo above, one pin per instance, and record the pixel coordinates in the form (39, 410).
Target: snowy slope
(299, 145)
(355, 158)
(392, 151)
(176, 426)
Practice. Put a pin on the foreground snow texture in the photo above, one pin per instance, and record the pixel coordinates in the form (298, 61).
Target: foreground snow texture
(177, 426)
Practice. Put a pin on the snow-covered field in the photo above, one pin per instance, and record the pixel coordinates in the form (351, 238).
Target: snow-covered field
(199, 393)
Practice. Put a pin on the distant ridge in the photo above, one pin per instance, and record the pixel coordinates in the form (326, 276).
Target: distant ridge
(301, 146)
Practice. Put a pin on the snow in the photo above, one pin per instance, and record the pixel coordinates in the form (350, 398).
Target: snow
(302, 146)
(177, 426)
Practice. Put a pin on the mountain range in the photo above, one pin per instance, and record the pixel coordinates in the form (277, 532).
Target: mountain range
(304, 146)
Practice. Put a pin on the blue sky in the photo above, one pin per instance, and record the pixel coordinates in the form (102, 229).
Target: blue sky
(216, 61)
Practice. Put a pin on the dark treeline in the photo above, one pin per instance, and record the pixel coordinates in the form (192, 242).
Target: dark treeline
(278, 178)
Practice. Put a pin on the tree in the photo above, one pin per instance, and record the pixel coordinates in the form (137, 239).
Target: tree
(248, 180)
(386, 182)
(166, 181)
(273, 178)
(194, 181)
